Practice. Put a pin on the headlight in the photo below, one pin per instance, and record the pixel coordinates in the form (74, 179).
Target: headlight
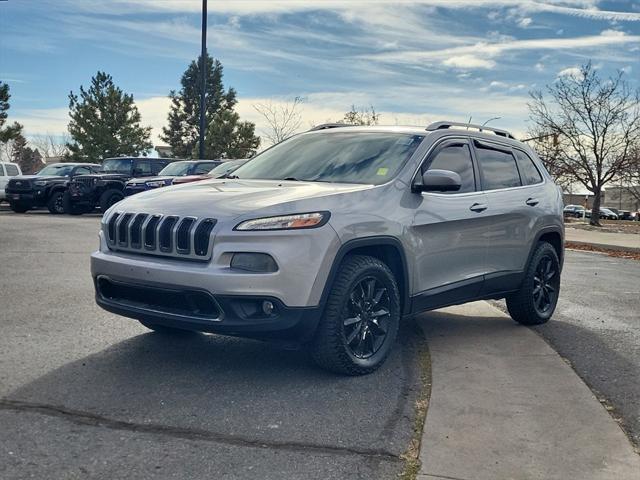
(155, 184)
(286, 222)
(40, 183)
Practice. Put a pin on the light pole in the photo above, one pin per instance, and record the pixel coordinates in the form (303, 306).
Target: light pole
(203, 79)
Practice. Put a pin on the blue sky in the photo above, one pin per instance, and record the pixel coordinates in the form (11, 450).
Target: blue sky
(415, 61)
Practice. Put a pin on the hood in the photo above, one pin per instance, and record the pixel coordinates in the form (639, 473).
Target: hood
(105, 176)
(143, 180)
(227, 199)
(38, 177)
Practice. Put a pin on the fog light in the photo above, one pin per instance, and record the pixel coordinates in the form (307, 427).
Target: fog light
(254, 262)
(268, 307)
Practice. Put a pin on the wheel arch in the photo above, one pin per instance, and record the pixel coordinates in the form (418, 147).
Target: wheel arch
(385, 248)
(553, 236)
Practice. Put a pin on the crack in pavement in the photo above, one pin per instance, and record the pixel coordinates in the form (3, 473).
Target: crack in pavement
(90, 419)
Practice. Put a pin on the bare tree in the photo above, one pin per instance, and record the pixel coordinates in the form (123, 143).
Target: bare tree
(366, 116)
(597, 125)
(50, 145)
(283, 119)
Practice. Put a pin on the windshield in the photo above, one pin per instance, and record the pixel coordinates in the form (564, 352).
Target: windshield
(227, 167)
(349, 157)
(176, 169)
(60, 170)
(117, 165)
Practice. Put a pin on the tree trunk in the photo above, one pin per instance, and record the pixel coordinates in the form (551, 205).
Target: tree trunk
(595, 210)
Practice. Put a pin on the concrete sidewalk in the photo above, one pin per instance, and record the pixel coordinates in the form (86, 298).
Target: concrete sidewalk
(614, 241)
(504, 405)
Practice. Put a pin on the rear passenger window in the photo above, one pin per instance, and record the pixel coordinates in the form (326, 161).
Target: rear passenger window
(528, 170)
(202, 168)
(498, 168)
(456, 157)
(12, 170)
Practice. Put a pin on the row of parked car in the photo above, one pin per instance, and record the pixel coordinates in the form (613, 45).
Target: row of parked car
(607, 213)
(77, 188)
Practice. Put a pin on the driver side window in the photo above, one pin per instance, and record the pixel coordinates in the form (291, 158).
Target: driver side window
(456, 157)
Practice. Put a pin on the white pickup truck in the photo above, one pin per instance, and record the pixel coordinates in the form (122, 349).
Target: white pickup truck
(7, 170)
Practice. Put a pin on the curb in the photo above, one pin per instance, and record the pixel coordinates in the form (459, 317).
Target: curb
(603, 246)
(504, 405)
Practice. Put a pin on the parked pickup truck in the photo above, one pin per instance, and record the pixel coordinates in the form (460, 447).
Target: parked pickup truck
(105, 188)
(46, 188)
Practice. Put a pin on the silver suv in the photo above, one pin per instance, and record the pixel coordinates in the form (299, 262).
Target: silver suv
(333, 237)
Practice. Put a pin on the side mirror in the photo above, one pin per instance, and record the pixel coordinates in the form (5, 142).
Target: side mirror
(437, 181)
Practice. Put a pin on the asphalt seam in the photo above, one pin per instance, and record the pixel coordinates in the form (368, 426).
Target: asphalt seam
(90, 419)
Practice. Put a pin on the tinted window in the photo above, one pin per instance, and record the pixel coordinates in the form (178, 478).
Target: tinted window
(117, 165)
(528, 171)
(202, 168)
(498, 167)
(156, 167)
(457, 158)
(143, 168)
(12, 170)
(341, 157)
(82, 171)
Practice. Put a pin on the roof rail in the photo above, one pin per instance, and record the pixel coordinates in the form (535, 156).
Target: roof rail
(326, 126)
(481, 128)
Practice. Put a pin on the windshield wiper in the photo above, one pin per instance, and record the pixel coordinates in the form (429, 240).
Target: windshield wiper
(231, 176)
(292, 179)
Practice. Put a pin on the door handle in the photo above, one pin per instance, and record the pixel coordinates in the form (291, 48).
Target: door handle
(532, 202)
(478, 207)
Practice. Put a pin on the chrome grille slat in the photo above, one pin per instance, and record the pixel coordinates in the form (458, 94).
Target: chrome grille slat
(167, 236)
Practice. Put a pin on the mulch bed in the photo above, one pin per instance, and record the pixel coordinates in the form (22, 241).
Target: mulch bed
(611, 253)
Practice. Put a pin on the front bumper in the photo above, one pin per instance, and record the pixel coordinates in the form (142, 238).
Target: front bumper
(227, 315)
(31, 198)
(304, 260)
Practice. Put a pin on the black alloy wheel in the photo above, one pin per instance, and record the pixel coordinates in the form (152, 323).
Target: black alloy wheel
(367, 316)
(545, 285)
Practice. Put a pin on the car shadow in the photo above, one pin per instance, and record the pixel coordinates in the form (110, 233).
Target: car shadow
(237, 387)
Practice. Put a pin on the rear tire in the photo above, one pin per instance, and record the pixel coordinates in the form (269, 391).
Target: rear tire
(361, 318)
(110, 198)
(537, 298)
(56, 203)
(17, 208)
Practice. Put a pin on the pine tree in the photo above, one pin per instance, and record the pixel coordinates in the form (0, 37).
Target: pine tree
(184, 116)
(9, 132)
(228, 137)
(105, 122)
(30, 160)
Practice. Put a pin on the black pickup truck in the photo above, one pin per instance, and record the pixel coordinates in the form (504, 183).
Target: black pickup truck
(103, 189)
(46, 188)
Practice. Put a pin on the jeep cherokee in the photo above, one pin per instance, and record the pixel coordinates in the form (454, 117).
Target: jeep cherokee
(46, 188)
(103, 189)
(332, 237)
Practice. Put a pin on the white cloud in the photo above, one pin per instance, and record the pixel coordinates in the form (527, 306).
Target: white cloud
(570, 72)
(525, 22)
(468, 62)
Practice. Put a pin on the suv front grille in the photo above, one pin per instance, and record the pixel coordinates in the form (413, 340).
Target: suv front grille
(171, 236)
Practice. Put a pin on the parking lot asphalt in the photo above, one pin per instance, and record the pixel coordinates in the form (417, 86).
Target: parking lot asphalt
(84, 393)
(596, 327)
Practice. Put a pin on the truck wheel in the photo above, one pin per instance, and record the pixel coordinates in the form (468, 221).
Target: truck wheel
(361, 318)
(55, 203)
(109, 198)
(536, 300)
(18, 208)
(69, 207)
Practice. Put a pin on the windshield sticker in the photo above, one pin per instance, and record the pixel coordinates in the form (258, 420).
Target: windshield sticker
(382, 172)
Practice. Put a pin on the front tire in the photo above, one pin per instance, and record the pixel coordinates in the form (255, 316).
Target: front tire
(69, 207)
(109, 198)
(56, 203)
(361, 318)
(537, 298)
